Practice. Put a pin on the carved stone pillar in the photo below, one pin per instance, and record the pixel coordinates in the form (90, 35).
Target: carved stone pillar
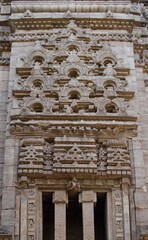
(88, 198)
(60, 200)
(127, 232)
(118, 232)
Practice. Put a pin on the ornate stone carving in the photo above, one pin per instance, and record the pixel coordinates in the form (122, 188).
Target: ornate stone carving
(5, 9)
(60, 197)
(28, 14)
(71, 105)
(75, 157)
(118, 160)
(70, 74)
(31, 156)
(32, 223)
(88, 196)
(102, 158)
(117, 200)
(73, 186)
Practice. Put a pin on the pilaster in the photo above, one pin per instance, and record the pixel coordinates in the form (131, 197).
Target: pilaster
(125, 199)
(60, 200)
(88, 198)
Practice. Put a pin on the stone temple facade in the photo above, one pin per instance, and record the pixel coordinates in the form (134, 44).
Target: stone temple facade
(73, 120)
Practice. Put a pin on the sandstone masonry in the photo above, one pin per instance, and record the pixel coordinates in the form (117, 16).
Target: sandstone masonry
(73, 120)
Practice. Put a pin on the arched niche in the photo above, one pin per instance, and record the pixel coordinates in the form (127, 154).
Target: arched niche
(35, 80)
(110, 85)
(73, 73)
(72, 47)
(111, 108)
(38, 57)
(37, 84)
(106, 58)
(74, 95)
(37, 107)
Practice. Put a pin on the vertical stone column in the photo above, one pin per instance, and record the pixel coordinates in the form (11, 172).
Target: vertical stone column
(88, 198)
(17, 217)
(109, 219)
(24, 217)
(60, 200)
(9, 183)
(118, 231)
(39, 216)
(126, 214)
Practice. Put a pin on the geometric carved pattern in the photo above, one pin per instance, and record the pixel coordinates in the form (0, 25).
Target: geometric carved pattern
(76, 79)
(118, 161)
(74, 155)
(31, 156)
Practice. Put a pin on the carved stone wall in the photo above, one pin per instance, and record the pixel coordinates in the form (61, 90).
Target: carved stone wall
(73, 113)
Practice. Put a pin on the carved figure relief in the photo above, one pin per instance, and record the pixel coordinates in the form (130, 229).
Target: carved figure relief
(73, 186)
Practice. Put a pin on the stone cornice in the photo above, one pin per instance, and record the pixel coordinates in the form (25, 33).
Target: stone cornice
(101, 129)
(72, 6)
(75, 117)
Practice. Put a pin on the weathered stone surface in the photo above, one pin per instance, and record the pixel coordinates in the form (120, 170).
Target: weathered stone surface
(73, 115)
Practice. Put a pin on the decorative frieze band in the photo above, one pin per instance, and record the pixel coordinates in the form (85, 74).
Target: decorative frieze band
(71, 155)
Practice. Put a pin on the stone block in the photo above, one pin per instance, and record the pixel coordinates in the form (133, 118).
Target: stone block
(8, 217)
(10, 176)
(8, 200)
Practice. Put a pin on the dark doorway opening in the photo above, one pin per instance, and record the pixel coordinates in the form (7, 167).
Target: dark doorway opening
(48, 217)
(100, 217)
(74, 227)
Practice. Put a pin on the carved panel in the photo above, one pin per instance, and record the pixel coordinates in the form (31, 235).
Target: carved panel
(31, 156)
(74, 155)
(118, 159)
(75, 77)
(36, 157)
(32, 211)
(118, 211)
